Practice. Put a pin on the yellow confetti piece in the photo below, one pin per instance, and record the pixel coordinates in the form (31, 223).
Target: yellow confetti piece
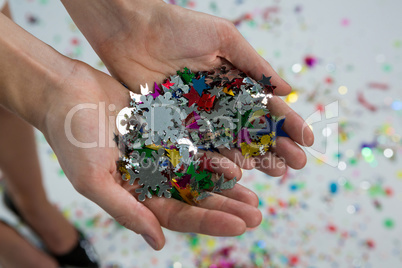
(292, 200)
(186, 194)
(261, 51)
(256, 115)
(292, 97)
(174, 156)
(67, 213)
(271, 200)
(123, 171)
(53, 156)
(343, 137)
(229, 92)
(266, 140)
(154, 147)
(320, 161)
(248, 150)
(211, 243)
(228, 132)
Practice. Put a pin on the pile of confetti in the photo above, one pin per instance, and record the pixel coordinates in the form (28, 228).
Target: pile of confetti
(191, 113)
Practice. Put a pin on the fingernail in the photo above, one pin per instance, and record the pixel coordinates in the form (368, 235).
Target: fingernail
(150, 241)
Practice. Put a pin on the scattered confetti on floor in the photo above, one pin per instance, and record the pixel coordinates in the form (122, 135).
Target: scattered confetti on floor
(342, 210)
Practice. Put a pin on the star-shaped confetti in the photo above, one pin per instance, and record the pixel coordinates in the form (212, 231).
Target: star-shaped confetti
(192, 96)
(199, 85)
(167, 84)
(189, 112)
(266, 80)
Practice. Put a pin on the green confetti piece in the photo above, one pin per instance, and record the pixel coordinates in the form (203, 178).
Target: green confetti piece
(213, 7)
(90, 223)
(187, 76)
(147, 151)
(348, 186)
(353, 161)
(206, 183)
(175, 194)
(376, 190)
(389, 223)
(387, 68)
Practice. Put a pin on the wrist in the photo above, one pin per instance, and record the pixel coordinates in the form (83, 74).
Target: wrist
(29, 74)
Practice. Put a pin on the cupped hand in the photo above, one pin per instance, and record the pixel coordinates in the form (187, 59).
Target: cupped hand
(169, 38)
(79, 127)
(151, 48)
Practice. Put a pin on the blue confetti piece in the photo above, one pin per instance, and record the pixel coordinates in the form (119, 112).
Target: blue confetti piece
(199, 85)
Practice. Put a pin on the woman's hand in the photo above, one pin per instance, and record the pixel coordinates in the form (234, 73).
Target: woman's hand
(145, 41)
(79, 127)
(74, 106)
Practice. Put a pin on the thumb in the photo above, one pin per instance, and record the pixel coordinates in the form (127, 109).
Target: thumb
(127, 211)
(239, 52)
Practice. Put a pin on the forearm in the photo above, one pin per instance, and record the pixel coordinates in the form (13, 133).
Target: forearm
(103, 20)
(29, 71)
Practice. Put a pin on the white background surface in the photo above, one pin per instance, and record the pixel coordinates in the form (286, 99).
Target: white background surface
(355, 43)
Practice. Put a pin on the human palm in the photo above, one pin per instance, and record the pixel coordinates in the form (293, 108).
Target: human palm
(173, 38)
(93, 172)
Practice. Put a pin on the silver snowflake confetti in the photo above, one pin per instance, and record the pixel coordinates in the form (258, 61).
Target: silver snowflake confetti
(188, 113)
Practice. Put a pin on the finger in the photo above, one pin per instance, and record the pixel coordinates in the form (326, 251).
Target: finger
(294, 125)
(238, 158)
(249, 214)
(126, 210)
(178, 216)
(292, 154)
(270, 164)
(220, 164)
(241, 54)
(242, 194)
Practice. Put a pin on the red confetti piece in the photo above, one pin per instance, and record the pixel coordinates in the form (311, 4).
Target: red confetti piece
(389, 191)
(362, 100)
(370, 243)
(272, 211)
(380, 86)
(293, 260)
(332, 228)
